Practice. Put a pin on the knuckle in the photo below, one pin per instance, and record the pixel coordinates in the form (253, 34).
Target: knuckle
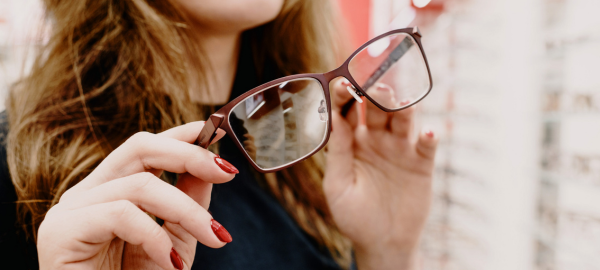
(147, 176)
(53, 221)
(44, 232)
(140, 182)
(143, 179)
(154, 231)
(425, 152)
(139, 138)
(66, 196)
(124, 209)
(190, 206)
(403, 117)
(54, 210)
(140, 135)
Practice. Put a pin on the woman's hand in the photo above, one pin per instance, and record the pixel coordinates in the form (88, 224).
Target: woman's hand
(378, 180)
(101, 223)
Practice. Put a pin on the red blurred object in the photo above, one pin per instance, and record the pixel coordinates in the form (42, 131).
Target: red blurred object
(357, 15)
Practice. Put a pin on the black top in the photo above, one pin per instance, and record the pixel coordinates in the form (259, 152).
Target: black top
(264, 234)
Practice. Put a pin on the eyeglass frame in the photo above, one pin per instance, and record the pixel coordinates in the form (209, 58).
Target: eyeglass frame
(220, 119)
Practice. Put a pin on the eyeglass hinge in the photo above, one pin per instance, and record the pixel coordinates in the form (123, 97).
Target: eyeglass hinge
(209, 131)
(417, 32)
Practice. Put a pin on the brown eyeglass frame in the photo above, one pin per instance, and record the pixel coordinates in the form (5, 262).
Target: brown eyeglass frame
(220, 119)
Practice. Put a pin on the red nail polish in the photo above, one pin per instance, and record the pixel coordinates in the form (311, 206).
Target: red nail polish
(225, 166)
(429, 134)
(220, 231)
(176, 260)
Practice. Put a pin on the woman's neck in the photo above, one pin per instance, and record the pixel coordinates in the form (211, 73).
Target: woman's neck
(222, 53)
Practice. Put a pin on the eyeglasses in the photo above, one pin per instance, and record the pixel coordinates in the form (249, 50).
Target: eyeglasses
(284, 121)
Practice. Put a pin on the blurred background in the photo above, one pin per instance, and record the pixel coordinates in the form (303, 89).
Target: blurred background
(516, 101)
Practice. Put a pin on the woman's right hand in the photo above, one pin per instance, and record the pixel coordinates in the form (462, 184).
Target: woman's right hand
(101, 223)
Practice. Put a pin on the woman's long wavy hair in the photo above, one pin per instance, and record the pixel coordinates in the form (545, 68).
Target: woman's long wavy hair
(115, 67)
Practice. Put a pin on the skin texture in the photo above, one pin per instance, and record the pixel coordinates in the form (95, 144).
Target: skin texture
(226, 17)
(377, 182)
(219, 24)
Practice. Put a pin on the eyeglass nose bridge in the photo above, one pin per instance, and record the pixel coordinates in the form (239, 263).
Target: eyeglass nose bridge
(209, 131)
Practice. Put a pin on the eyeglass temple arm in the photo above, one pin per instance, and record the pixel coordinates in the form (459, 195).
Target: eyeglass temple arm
(209, 131)
(394, 56)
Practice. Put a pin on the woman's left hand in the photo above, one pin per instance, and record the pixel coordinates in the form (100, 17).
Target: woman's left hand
(378, 180)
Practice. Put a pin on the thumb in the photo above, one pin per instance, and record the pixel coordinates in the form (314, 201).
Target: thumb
(340, 156)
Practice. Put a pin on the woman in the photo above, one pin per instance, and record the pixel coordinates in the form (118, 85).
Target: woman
(84, 176)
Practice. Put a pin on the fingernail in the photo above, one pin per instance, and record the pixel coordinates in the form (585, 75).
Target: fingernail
(220, 231)
(225, 166)
(382, 88)
(176, 260)
(429, 133)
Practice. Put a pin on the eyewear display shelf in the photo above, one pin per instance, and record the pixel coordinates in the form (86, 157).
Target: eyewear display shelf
(569, 197)
(517, 182)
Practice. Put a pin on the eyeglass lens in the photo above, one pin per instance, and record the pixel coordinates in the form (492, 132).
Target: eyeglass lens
(282, 123)
(391, 70)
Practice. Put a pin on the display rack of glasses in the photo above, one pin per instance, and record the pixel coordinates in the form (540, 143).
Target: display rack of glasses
(552, 90)
(5, 50)
(464, 50)
(455, 234)
(569, 212)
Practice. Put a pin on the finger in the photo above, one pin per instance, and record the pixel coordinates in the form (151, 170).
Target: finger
(198, 190)
(183, 241)
(101, 223)
(340, 155)
(184, 244)
(156, 197)
(427, 144)
(402, 122)
(150, 152)
(189, 132)
(340, 96)
(384, 95)
(376, 118)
